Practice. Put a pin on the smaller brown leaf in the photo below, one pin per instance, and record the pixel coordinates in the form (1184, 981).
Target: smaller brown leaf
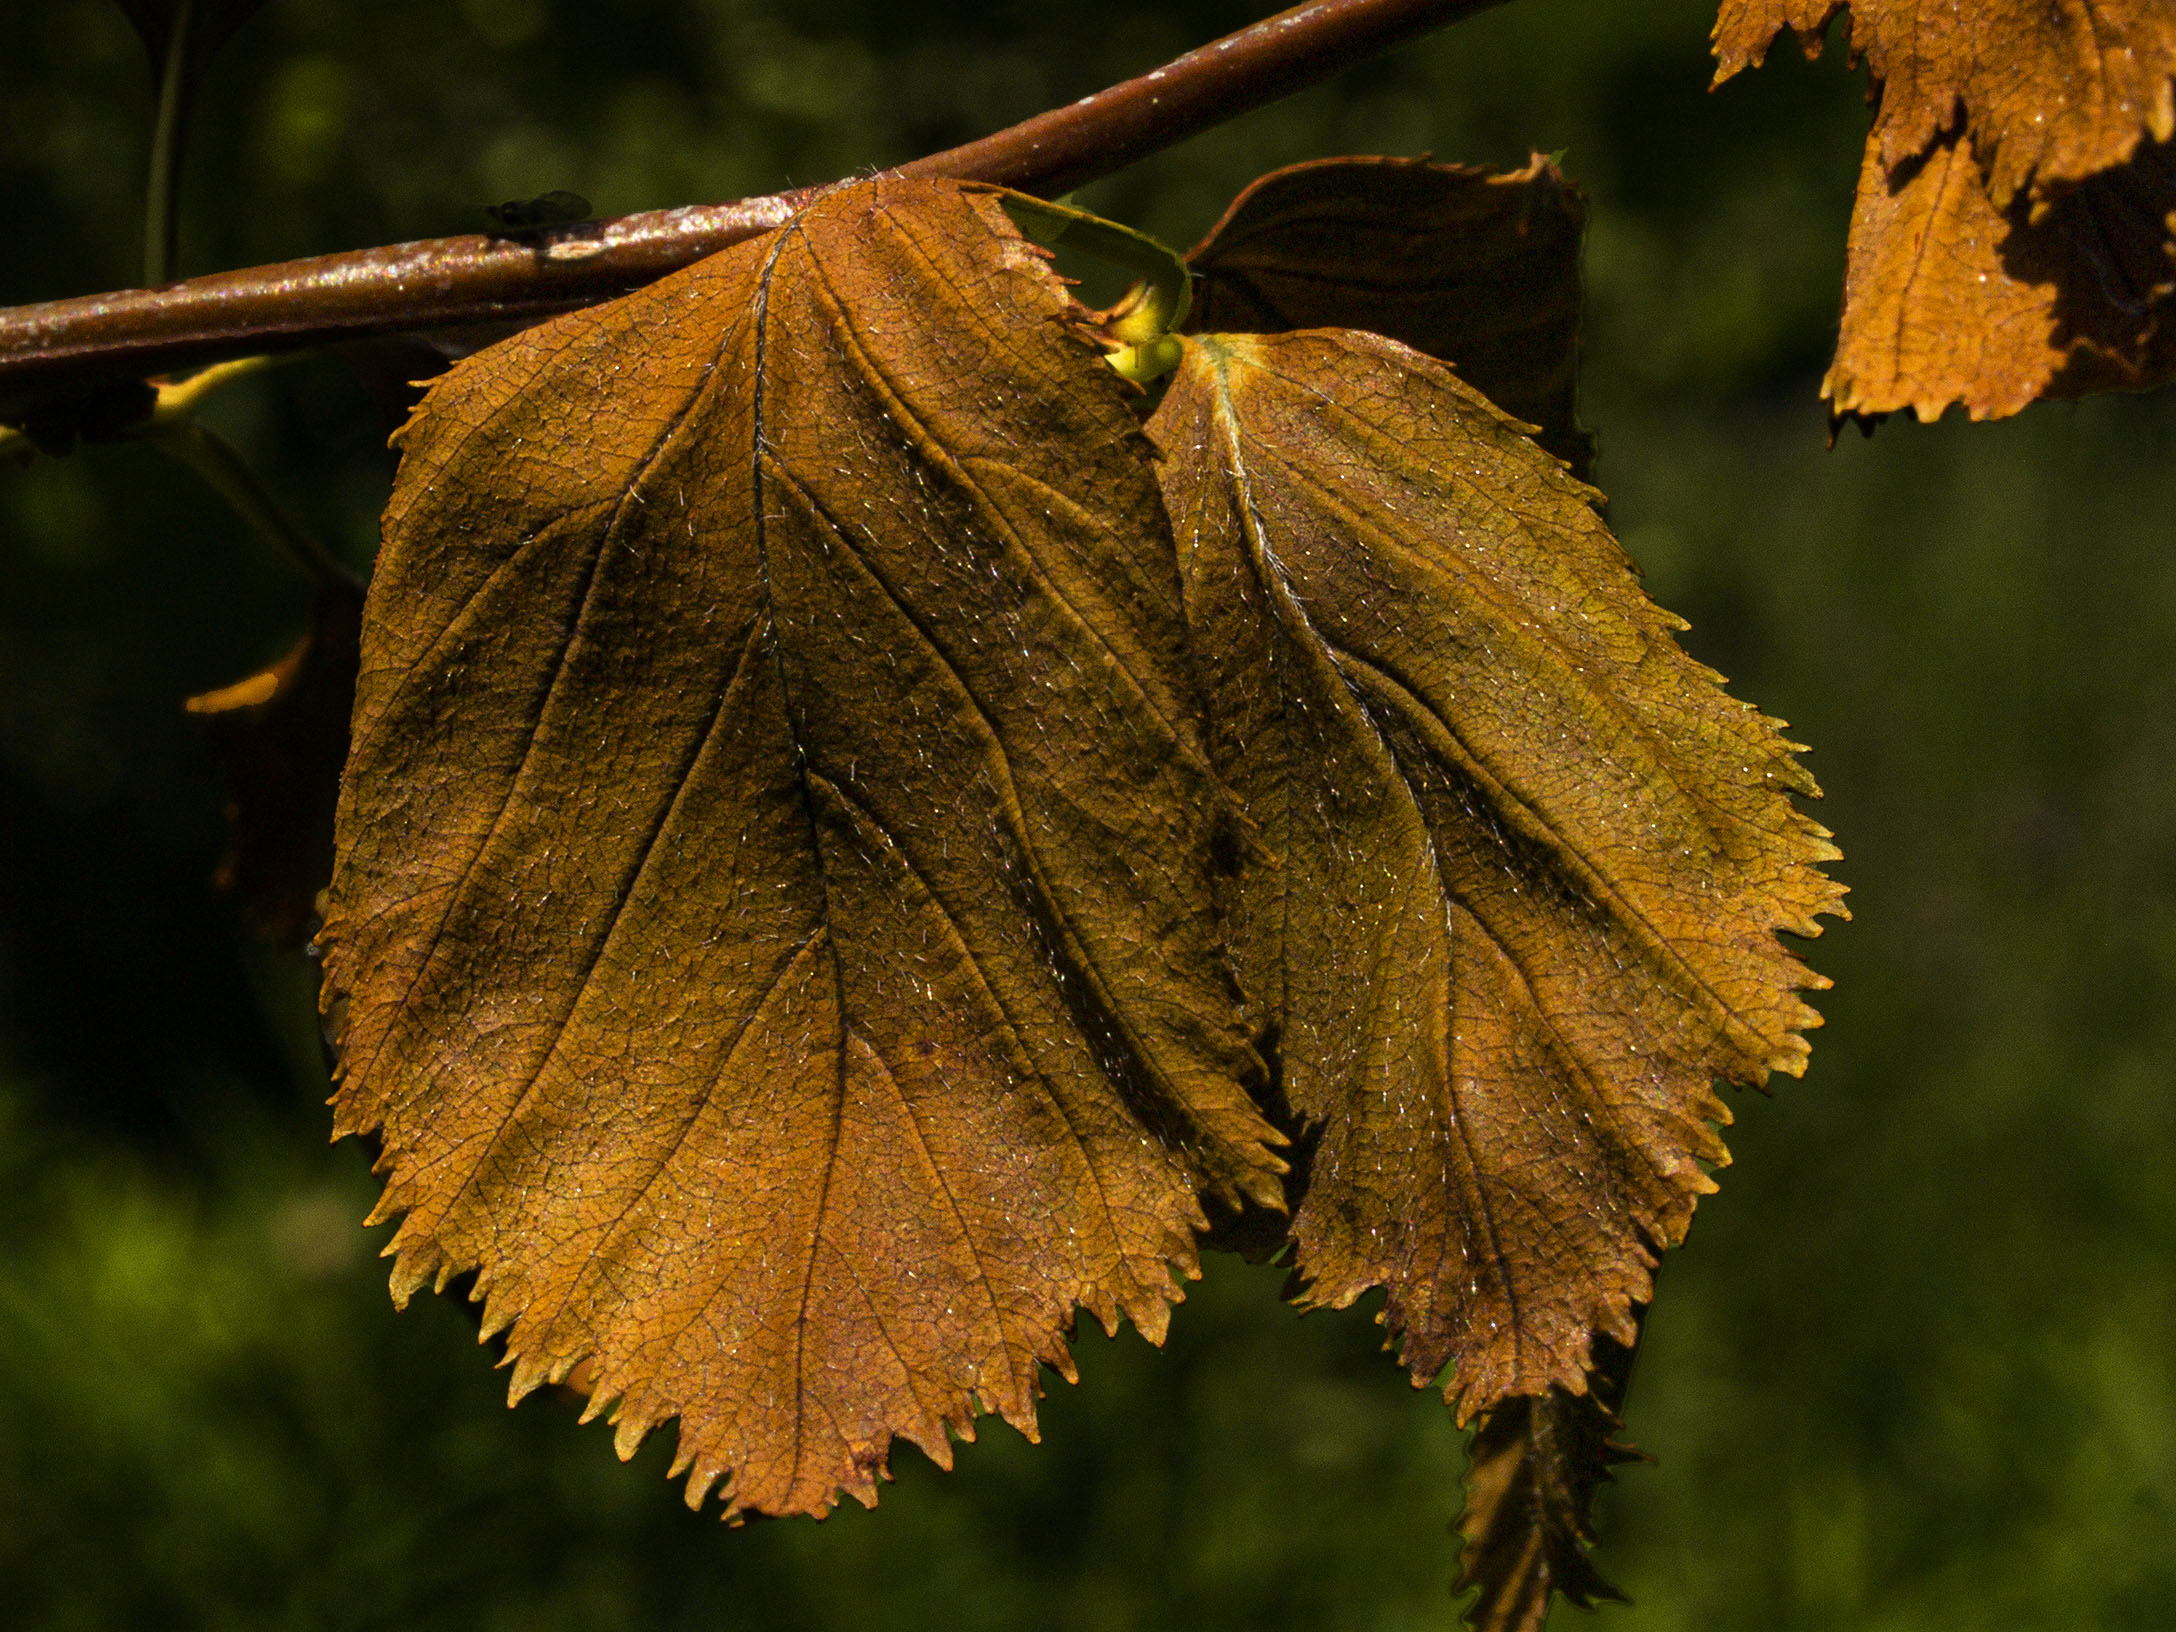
(282, 736)
(1948, 299)
(1522, 857)
(1533, 1469)
(1476, 267)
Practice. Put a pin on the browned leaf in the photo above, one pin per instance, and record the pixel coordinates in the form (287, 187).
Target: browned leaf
(773, 919)
(1534, 1467)
(2013, 229)
(1477, 267)
(282, 736)
(1947, 299)
(2050, 91)
(1525, 862)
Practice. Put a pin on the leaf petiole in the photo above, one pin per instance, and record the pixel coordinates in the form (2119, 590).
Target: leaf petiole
(1144, 321)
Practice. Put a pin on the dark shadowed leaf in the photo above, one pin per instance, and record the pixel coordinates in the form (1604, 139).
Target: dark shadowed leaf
(1476, 267)
(396, 369)
(1533, 1469)
(774, 915)
(1524, 858)
(1950, 300)
(282, 736)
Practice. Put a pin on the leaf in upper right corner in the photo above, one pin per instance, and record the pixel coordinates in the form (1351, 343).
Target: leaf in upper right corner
(2016, 213)
(2049, 93)
(1521, 859)
(1949, 300)
(1479, 268)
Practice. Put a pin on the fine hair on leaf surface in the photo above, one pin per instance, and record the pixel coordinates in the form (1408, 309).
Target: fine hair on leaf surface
(1520, 865)
(866, 832)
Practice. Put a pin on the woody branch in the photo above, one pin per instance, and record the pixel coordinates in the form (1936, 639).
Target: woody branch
(67, 349)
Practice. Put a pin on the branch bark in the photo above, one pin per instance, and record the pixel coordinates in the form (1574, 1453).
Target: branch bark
(70, 349)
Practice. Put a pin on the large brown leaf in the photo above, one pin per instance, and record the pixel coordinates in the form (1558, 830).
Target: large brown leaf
(2013, 229)
(1524, 857)
(2050, 91)
(773, 921)
(1476, 267)
(1949, 300)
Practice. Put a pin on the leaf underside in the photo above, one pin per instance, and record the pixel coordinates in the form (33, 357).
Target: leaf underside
(1535, 1466)
(1478, 268)
(2016, 215)
(773, 934)
(1522, 859)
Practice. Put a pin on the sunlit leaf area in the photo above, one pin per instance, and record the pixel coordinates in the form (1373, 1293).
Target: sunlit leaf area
(1915, 1367)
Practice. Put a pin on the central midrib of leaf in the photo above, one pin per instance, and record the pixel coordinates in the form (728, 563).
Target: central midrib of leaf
(1101, 1013)
(931, 455)
(1293, 613)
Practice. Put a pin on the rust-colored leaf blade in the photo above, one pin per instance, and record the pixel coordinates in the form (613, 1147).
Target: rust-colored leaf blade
(1949, 300)
(2049, 94)
(282, 736)
(773, 918)
(1477, 267)
(1525, 859)
(1534, 1467)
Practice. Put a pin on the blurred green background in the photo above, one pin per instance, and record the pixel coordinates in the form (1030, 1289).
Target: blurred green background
(1916, 1368)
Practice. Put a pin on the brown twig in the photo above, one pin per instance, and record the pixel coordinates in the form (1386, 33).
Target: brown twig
(70, 348)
